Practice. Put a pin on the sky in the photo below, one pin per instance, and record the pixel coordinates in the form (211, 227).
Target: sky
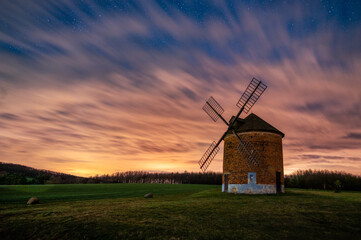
(94, 87)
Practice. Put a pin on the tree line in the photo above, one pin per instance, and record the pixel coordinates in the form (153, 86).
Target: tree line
(211, 178)
(119, 177)
(323, 179)
(15, 174)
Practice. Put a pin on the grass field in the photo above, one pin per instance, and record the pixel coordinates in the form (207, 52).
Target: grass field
(119, 211)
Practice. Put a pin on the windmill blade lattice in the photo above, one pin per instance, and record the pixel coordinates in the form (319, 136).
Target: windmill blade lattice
(251, 95)
(249, 153)
(208, 156)
(213, 109)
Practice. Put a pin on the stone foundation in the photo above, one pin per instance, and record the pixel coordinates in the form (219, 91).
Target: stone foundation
(253, 188)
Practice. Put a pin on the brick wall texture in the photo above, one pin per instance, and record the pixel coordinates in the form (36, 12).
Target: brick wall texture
(269, 146)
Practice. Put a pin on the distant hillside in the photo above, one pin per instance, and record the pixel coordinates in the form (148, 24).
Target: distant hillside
(19, 174)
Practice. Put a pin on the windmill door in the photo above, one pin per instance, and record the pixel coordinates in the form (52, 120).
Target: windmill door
(226, 182)
(278, 182)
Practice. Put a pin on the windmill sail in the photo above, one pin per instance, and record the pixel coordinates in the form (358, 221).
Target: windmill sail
(251, 95)
(249, 153)
(208, 156)
(213, 109)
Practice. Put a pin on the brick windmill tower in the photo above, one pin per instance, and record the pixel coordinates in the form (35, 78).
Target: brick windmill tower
(253, 159)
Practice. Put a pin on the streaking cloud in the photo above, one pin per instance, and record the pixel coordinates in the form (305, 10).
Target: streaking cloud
(89, 88)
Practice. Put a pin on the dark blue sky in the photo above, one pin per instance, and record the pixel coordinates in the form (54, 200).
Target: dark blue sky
(299, 19)
(80, 79)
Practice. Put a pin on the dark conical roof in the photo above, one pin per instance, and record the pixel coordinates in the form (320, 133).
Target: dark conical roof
(254, 123)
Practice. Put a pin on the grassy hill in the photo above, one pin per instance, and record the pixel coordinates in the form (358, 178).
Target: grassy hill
(119, 211)
(19, 174)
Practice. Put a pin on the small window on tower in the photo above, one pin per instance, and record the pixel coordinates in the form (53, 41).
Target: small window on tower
(252, 177)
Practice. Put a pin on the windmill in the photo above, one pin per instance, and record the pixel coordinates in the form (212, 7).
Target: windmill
(249, 153)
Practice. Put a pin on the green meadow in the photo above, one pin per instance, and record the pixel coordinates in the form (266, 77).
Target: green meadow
(119, 211)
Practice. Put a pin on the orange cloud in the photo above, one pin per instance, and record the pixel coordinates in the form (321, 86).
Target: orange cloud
(110, 99)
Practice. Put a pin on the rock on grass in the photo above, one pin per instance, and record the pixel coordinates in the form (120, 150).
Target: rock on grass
(33, 200)
(148, 195)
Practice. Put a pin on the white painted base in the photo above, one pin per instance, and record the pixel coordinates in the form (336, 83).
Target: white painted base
(253, 188)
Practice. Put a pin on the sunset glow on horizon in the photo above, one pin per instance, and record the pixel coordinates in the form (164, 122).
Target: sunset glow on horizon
(92, 88)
